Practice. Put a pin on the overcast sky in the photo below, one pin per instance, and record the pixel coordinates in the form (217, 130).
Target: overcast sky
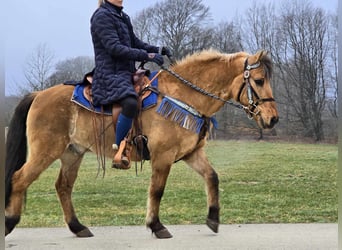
(64, 26)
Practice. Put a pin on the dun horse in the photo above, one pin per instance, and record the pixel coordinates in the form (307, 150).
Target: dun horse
(52, 127)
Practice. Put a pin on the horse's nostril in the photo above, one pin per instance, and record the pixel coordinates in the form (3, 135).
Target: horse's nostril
(274, 120)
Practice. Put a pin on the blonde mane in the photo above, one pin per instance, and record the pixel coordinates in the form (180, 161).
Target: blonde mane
(207, 56)
(211, 55)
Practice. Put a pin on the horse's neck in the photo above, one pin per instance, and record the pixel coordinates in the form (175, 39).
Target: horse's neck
(214, 77)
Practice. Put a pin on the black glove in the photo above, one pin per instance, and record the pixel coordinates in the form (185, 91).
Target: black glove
(156, 58)
(165, 51)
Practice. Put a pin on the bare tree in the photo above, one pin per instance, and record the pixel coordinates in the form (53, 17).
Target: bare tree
(38, 68)
(71, 69)
(181, 25)
(226, 37)
(302, 66)
(260, 26)
(332, 69)
(143, 27)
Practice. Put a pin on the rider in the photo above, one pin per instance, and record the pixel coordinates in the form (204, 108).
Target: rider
(116, 49)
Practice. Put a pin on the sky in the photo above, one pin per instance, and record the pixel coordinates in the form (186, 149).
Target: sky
(64, 27)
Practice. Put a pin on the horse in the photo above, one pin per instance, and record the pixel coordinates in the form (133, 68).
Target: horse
(47, 126)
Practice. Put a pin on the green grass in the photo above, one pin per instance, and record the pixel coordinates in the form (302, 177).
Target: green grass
(260, 182)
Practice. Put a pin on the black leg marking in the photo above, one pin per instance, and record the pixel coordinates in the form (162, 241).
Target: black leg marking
(214, 213)
(159, 230)
(213, 219)
(10, 223)
(77, 228)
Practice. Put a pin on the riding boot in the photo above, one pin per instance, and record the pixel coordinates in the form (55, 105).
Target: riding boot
(121, 158)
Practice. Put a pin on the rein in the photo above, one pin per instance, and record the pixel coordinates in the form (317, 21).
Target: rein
(250, 109)
(200, 90)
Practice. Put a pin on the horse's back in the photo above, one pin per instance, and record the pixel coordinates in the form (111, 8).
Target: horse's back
(49, 104)
(47, 97)
(48, 121)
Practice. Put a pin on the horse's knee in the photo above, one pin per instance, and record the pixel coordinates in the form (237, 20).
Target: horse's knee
(157, 194)
(214, 179)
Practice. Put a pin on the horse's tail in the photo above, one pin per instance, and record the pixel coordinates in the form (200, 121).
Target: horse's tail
(16, 142)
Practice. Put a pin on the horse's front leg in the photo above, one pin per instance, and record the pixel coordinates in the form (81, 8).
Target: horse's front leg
(160, 172)
(69, 168)
(199, 162)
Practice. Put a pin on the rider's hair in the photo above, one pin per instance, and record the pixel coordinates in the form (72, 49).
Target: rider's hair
(100, 2)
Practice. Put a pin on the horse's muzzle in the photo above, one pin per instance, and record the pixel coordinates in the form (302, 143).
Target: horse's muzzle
(269, 124)
(274, 121)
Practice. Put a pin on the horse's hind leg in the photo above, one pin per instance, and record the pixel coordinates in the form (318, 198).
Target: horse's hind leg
(71, 161)
(199, 162)
(21, 180)
(160, 172)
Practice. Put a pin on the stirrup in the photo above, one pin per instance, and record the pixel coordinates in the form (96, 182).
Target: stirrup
(120, 161)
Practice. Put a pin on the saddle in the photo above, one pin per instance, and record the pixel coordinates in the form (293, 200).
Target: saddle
(140, 82)
(135, 137)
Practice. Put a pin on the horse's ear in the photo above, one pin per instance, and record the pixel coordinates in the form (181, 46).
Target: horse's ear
(260, 54)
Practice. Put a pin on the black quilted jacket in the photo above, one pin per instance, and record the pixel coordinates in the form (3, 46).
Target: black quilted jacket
(116, 49)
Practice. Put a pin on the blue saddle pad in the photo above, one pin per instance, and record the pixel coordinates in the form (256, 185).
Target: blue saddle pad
(78, 98)
(152, 99)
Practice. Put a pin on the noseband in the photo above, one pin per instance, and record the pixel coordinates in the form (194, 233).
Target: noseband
(252, 105)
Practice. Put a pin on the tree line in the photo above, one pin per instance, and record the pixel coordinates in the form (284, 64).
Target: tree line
(301, 40)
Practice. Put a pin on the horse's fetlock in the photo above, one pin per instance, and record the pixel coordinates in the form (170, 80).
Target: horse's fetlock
(75, 226)
(155, 225)
(159, 230)
(214, 213)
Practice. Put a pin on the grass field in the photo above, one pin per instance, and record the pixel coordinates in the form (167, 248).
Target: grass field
(260, 182)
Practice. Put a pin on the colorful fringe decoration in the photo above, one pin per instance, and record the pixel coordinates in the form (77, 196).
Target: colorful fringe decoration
(181, 113)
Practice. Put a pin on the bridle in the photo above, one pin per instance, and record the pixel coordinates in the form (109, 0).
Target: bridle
(252, 105)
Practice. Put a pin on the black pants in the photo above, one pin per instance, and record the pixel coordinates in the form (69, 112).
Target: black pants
(129, 106)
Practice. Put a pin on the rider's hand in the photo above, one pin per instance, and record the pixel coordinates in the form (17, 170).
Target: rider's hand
(156, 58)
(165, 51)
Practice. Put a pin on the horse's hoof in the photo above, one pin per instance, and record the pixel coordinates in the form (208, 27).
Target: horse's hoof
(213, 225)
(85, 233)
(10, 223)
(163, 234)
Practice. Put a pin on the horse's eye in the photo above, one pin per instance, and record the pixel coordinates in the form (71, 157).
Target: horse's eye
(259, 82)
